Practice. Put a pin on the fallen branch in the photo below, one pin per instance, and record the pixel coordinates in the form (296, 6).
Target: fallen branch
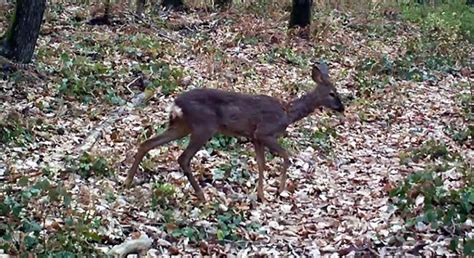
(13, 178)
(31, 70)
(96, 133)
(135, 246)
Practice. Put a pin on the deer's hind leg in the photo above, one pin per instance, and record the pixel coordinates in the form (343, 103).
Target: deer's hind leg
(199, 137)
(172, 133)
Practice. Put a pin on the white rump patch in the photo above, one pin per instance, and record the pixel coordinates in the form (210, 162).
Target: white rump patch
(174, 111)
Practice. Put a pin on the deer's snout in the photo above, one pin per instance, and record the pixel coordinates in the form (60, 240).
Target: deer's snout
(340, 109)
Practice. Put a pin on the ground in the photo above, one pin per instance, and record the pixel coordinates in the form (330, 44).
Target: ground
(343, 166)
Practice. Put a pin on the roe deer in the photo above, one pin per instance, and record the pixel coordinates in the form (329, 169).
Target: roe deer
(260, 118)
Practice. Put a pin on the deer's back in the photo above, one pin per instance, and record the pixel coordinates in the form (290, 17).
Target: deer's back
(230, 112)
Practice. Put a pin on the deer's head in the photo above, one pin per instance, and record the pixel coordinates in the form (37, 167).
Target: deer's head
(326, 92)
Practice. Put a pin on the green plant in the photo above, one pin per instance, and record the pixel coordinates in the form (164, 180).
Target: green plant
(227, 224)
(461, 135)
(21, 232)
(224, 225)
(430, 149)
(194, 234)
(288, 55)
(164, 76)
(455, 14)
(88, 165)
(442, 27)
(423, 198)
(321, 138)
(114, 98)
(260, 7)
(234, 170)
(82, 77)
(14, 128)
(466, 100)
(221, 142)
(368, 84)
(163, 195)
(248, 39)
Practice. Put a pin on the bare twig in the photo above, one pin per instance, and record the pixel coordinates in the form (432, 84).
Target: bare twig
(131, 83)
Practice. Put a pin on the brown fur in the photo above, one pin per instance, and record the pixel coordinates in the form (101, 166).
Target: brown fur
(205, 112)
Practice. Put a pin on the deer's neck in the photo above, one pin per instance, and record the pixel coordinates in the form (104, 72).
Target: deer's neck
(302, 107)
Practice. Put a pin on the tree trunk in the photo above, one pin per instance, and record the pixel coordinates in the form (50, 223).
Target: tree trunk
(300, 13)
(223, 4)
(173, 4)
(19, 41)
(470, 2)
(140, 4)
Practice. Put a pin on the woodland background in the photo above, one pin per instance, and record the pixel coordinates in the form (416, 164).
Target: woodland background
(392, 176)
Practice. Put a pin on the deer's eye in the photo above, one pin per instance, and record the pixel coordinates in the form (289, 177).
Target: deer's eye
(332, 94)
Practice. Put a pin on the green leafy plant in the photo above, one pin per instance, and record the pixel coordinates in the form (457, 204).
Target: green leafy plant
(89, 165)
(227, 224)
(288, 55)
(431, 149)
(454, 14)
(423, 198)
(22, 233)
(14, 128)
(444, 28)
(221, 142)
(466, 100)
(234, 170)
(194, 234)
(462, 136)
(368, 84)
(321, 138)
(164, 76)
(163, 195)
(82, 77)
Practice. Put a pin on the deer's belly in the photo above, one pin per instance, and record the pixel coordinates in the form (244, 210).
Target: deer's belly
(238, 129)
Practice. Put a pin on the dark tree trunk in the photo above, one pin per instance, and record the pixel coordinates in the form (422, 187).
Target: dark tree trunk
(470, 2)
(173, 4)
(19, 41)
(140, 6)
(300, 13)
(223, 4)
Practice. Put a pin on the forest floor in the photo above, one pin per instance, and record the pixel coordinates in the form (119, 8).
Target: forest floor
(402, 116)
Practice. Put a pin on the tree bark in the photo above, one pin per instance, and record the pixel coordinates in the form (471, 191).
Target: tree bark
(19, 41)
(300, 13)
(173, 4)
(140, 4)
(223, 4)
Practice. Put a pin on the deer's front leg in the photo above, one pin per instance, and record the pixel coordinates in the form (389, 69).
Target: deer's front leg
(260, 156)
(273, 146)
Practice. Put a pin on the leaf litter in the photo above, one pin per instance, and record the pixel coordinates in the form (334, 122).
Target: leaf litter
(336, 201)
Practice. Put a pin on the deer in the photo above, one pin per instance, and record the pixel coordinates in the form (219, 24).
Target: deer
(262, 119)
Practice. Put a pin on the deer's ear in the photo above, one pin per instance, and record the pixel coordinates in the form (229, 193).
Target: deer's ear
(319, 73)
